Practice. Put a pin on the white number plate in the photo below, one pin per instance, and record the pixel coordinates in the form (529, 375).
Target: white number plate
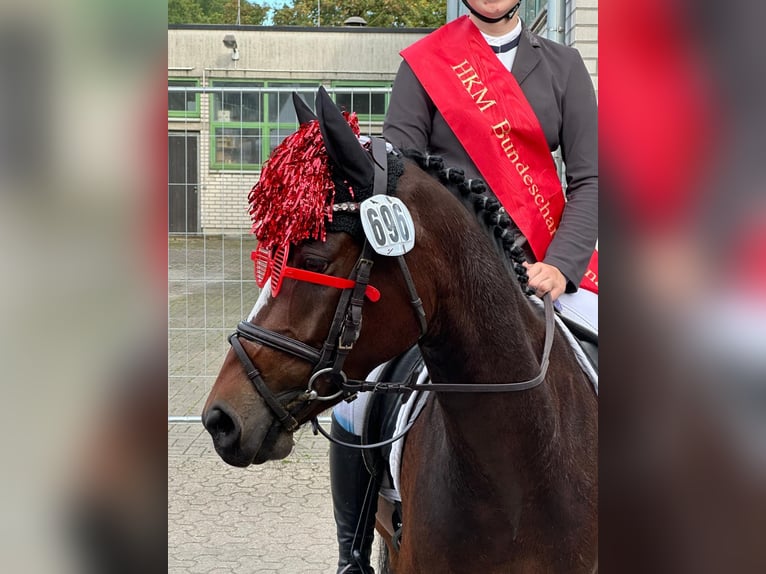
(388, 225)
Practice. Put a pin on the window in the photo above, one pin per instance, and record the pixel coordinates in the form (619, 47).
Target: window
(370, 105)
(247, 120)
(532, 9)
(183, 104)
(236, 147)
(280, 104)
(282, 120)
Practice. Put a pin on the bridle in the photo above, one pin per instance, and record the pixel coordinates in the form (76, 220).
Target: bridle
(344, 330)
(291, 407)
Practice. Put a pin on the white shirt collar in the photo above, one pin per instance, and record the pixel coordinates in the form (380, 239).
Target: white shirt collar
(505, 38)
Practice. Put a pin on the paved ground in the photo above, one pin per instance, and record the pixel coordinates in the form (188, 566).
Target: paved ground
(210, 289)
(274, 518)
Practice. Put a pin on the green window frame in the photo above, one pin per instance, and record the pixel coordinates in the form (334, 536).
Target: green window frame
(245, 126)
(369, 107)
(183, 104)
(280, 113)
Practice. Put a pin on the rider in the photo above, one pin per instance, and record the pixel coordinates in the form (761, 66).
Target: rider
(558, 93)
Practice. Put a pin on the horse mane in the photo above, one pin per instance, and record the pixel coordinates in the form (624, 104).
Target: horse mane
(475, 196)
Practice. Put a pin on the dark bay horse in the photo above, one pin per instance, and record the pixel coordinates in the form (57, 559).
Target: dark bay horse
(491, 482)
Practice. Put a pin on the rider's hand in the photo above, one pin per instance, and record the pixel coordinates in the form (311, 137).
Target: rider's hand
(544, 278)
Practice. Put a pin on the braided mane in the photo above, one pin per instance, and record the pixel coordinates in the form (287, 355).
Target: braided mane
(475, 195)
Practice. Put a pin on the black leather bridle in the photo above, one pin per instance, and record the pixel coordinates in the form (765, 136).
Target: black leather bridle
(290, 407)
(344, 330)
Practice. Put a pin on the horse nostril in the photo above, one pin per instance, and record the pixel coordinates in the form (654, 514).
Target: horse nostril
(222, 428)
(213, 417)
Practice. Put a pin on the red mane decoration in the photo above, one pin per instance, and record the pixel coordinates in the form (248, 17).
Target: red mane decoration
(295, 192)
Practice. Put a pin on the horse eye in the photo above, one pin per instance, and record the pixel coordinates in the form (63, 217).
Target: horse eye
(315, 264)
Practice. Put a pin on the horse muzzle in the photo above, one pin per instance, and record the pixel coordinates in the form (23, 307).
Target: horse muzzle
(240, 444)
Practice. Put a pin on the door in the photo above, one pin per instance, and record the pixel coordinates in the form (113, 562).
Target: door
(183, 182)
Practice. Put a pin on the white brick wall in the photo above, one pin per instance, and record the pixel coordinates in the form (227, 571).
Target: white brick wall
(224, 201)
(582, 32)
(223, 197)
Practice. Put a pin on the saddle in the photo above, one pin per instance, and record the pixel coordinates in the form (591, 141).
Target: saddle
(382, 410)
(586, 337)
(380, 420)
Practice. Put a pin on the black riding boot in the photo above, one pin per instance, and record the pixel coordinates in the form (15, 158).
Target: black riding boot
(355, 501)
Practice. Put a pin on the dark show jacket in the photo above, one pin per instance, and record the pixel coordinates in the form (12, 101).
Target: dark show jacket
(556, 83)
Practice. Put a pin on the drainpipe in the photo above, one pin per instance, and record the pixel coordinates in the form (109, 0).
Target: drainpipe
(556, 18)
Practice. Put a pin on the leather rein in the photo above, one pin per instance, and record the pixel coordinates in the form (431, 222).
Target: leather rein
(290, 407)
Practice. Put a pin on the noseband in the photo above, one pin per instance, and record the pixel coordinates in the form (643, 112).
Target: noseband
(327, 362)
(290, 407)
(344, 330)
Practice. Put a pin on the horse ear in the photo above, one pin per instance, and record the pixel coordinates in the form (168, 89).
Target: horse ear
(302, 110)
(342, 145)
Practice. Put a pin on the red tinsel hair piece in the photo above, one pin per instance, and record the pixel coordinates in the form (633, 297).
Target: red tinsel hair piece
(295, 192)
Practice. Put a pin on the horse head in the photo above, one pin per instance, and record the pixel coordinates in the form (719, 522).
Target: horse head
(316, 268)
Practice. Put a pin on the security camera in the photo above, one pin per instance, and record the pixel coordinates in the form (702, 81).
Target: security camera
(230, 42)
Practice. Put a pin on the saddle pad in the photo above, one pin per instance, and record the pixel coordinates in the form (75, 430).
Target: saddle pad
(408, 413)
(579, 310)
(582, 358)
(352, 416)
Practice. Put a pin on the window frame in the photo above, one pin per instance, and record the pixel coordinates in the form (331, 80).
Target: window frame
(339, 85)
(265, 126)
(191, 83)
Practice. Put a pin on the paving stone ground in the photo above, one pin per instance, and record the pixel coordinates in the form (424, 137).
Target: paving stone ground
(274, 518)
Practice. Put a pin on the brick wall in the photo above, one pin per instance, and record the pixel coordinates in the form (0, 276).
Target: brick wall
(581, 25)
(223, 201)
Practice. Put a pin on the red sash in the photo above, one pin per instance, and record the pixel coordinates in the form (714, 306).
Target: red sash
(486, 109)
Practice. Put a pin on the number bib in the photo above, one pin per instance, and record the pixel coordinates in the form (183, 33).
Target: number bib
(388, 225)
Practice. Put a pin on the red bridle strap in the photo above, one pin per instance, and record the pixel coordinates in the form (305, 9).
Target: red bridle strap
(321, 279)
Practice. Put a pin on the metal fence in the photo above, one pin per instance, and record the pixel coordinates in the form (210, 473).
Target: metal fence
(210, 274)
(210, 289)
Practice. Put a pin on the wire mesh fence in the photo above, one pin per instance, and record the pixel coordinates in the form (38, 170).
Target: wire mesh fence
(209, 291)
(218, 137)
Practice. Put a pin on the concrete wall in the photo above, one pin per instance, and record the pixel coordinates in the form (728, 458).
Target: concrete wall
(283, 53)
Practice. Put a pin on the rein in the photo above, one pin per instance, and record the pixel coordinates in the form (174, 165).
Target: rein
(290, 407)
(358, 386)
